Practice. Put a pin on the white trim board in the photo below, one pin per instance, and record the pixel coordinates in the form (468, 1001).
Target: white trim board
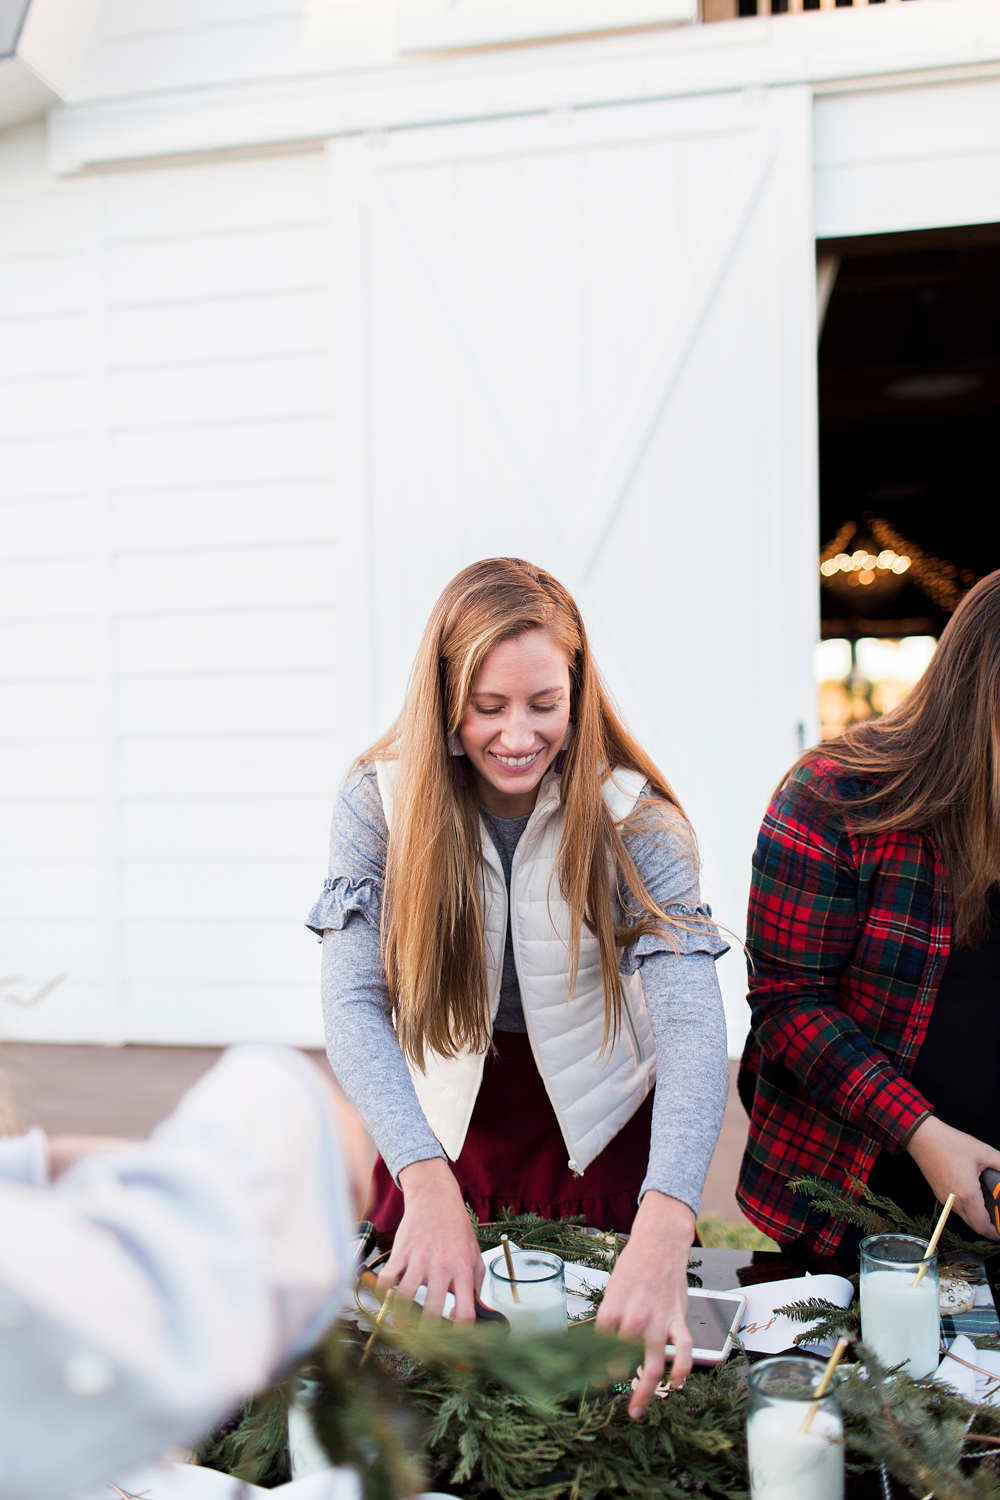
(899, 159)
(813, 47)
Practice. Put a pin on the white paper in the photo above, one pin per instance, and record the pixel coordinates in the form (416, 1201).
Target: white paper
(765, 1332)
(971, 1384)
(171, 1481)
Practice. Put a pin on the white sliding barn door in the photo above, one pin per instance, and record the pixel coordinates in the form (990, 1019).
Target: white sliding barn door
(588, 339)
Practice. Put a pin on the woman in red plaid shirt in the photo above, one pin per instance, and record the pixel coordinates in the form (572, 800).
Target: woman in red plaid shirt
(874, 930)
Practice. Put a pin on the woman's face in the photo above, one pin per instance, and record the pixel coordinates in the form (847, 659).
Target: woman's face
(516, 720)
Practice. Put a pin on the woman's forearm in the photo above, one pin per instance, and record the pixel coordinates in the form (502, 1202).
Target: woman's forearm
(808, 1033)
(692, 1074)
(363, 1050)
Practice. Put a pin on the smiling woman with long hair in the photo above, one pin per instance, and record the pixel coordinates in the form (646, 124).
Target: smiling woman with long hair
(874, 931)
(518, 975)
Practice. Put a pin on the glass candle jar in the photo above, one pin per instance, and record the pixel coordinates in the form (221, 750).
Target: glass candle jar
(786, 1463)
(900, 1321)
(540, 1286)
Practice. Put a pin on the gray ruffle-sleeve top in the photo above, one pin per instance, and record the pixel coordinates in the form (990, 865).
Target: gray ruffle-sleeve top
(680, 985)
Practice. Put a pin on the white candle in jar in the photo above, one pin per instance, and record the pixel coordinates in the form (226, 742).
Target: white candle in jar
(539, 1305)
(788, 1464)
(542, 1308)
(900, 1321)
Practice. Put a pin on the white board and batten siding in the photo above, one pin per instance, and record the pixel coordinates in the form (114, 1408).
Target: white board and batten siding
(175, 569)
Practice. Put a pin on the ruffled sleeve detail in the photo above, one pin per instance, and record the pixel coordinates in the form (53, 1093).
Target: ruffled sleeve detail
(698, 934)
(341, 897)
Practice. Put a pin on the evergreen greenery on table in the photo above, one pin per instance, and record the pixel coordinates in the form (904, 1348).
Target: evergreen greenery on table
(475, 1412)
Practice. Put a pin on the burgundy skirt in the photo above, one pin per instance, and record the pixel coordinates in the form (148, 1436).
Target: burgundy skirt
(515, 1157)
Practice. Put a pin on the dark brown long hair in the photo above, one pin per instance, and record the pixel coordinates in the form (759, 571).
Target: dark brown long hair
(432, 931)
(935, 759)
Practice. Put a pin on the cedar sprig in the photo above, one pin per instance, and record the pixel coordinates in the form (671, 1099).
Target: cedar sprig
(827, 1320)
(878, 1215)
(252, 1444)
(563, 1237)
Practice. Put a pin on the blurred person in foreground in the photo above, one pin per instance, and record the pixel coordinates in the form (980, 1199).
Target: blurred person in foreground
(874, 933)
(146, 1287)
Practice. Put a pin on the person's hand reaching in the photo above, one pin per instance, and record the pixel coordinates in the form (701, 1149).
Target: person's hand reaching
(435, 1245)
(646, 1299)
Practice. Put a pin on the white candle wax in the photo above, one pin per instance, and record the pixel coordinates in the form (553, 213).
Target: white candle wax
(789, 1464)
(900, 1321)
(305, 1452)
(542, 1308)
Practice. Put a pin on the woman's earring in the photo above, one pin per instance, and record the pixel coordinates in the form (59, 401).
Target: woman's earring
(457, 756)
(560, 760)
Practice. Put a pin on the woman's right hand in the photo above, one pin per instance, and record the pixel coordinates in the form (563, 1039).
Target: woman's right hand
(951, 1161)
(435, 1245)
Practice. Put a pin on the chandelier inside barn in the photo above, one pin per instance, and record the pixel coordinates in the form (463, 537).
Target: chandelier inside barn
(866, 566)
(878, 572)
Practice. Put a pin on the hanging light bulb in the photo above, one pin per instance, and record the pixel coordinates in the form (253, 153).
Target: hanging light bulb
(876, 571)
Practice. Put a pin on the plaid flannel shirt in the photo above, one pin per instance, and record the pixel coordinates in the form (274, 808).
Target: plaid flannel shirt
(849, 934)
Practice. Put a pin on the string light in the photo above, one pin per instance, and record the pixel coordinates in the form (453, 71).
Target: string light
(865, 564)
(882, 570)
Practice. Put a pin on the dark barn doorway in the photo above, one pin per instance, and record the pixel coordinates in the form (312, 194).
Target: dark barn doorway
(909, 401)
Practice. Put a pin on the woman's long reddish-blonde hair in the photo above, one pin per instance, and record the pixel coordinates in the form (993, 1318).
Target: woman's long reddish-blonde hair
(432, 925)
(934, 761)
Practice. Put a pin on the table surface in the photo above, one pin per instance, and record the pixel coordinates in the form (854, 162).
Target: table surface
(721, 1270)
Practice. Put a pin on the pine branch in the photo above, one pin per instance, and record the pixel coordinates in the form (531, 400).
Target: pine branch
(878, 1215)
(917, 1428)
(827, 1319)
(563, 1237)
(253, 1443)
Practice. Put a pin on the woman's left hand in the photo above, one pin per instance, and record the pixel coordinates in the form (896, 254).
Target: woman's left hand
(646, 1298)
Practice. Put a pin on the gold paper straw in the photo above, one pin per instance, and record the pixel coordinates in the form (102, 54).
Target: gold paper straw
(933, 1241)
(386, 1304)
(505, 1242)
(839, 1349)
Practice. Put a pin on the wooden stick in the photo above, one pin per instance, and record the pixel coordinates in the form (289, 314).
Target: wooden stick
(386, 1304)
(505, 1242)
(839, 1349)
(994, 1379)
(932, 1243)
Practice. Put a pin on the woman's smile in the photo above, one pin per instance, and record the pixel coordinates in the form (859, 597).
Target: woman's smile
(515, 762)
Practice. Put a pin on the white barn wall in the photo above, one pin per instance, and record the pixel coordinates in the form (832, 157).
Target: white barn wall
(232, 533)
(53, 596)
(174, 615)
(257, 411)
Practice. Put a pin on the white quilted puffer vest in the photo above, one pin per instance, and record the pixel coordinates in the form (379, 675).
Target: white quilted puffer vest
(592, 1094)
